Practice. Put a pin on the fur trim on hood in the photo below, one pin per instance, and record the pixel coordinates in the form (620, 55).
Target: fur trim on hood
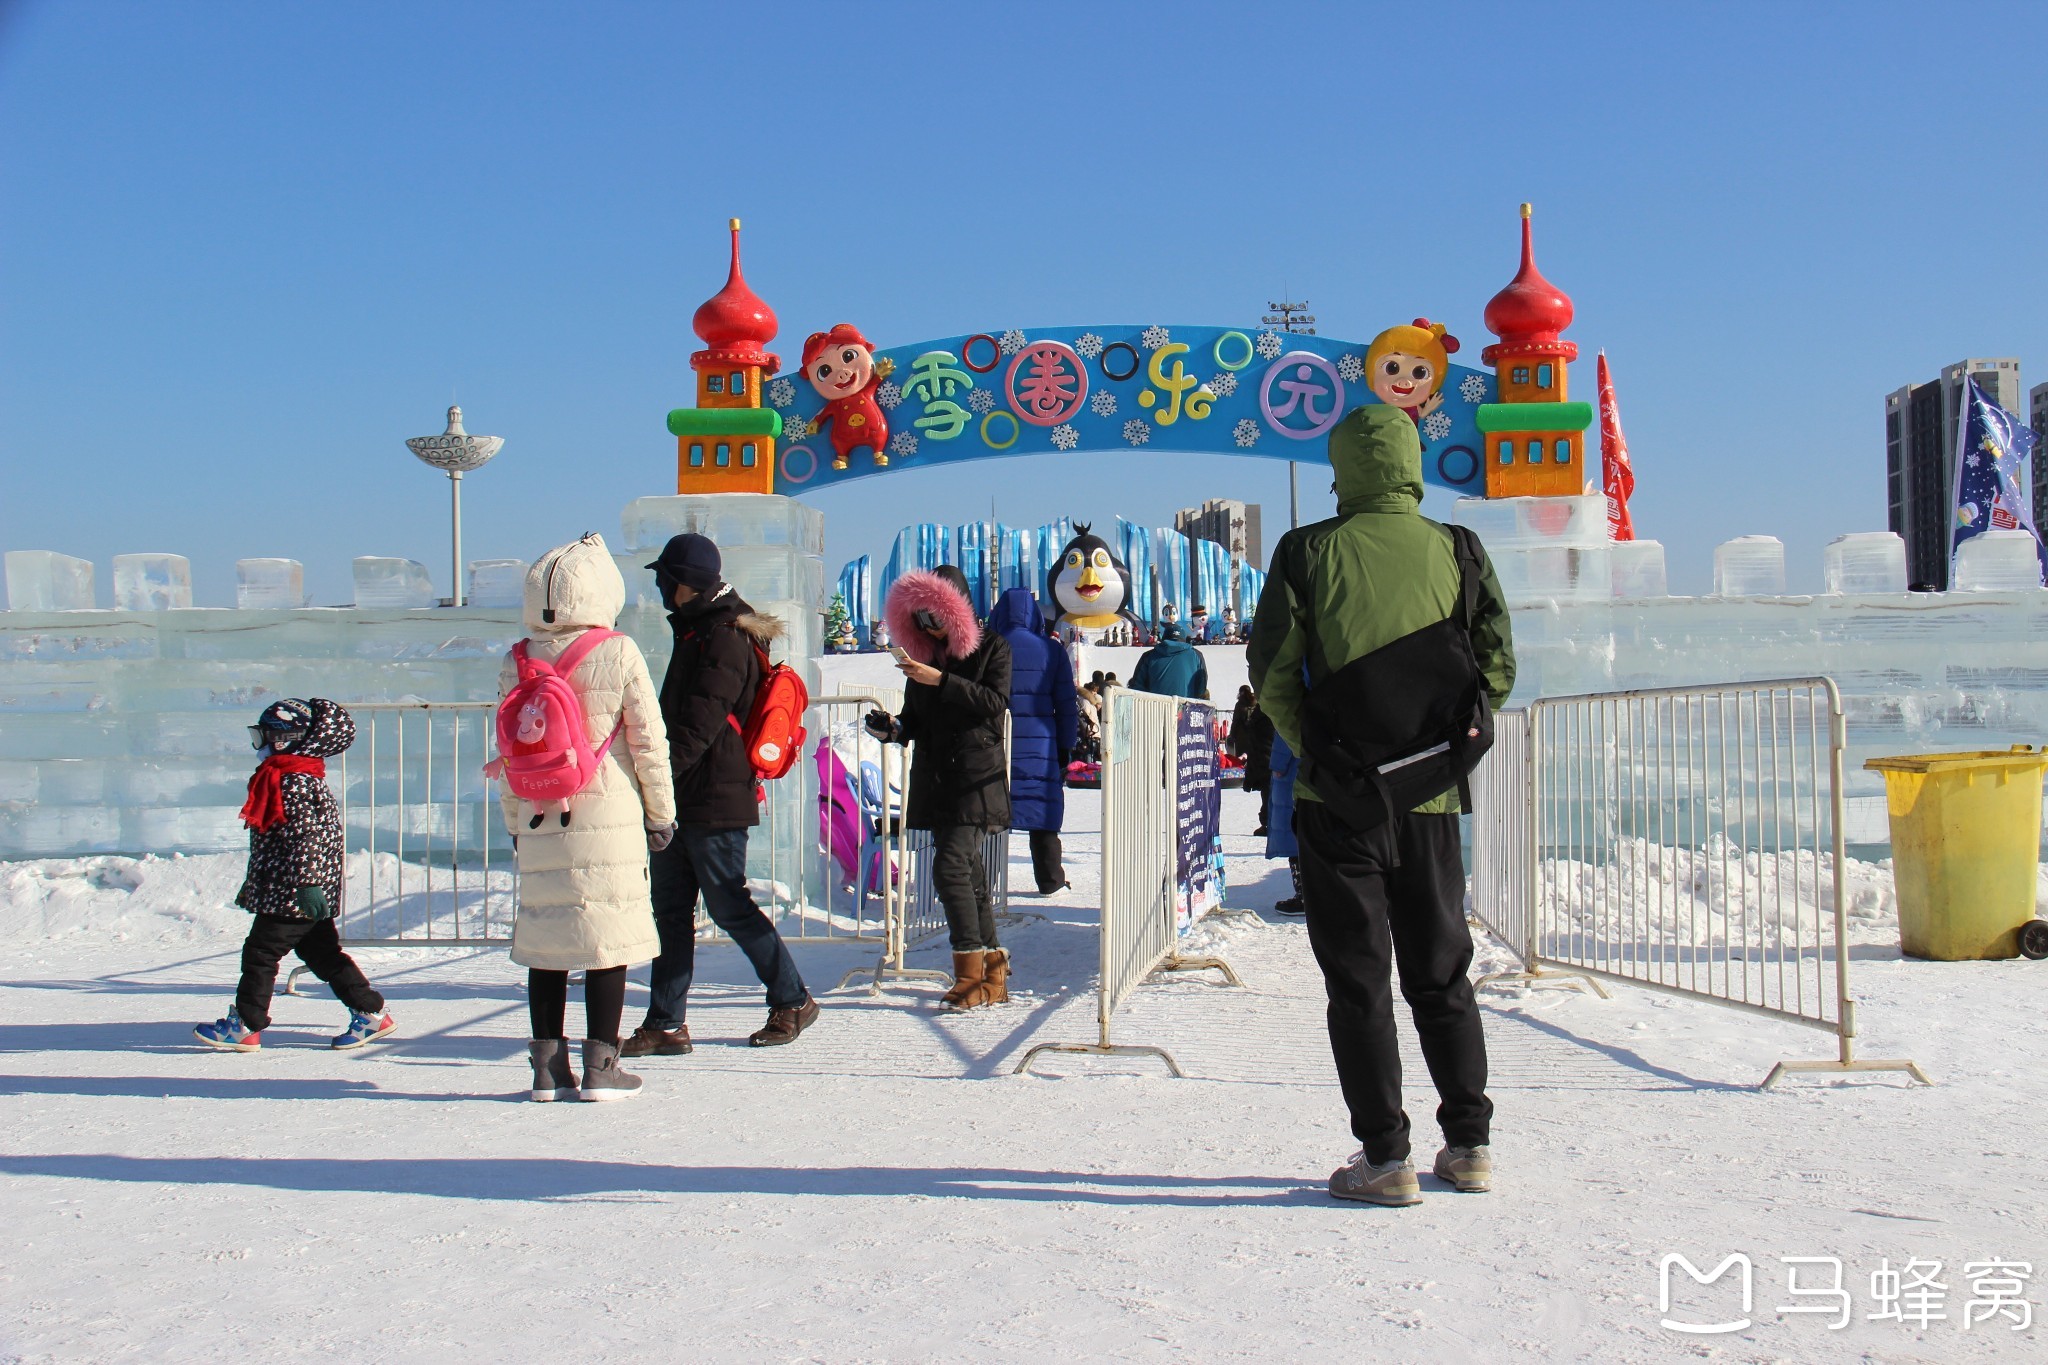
(762, 630)
(919, 590)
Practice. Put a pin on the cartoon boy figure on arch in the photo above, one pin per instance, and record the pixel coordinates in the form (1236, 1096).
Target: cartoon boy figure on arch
(1405, 366)
(840, 365)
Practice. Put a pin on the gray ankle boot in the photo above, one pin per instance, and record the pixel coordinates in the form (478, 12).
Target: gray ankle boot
(552, 1078)
(603, 1079)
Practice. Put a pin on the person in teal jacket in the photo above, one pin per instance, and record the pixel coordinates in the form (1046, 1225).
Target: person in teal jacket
(1376, 572)
(1173, 667)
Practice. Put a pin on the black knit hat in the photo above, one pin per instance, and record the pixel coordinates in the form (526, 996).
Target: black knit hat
(691, 560)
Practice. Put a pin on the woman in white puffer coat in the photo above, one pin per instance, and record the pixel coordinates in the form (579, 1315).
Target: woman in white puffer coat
(583, 881)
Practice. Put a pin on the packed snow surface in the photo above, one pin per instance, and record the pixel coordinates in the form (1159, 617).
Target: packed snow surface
(885, 1190)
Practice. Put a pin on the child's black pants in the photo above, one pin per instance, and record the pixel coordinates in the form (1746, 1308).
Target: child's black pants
(318, 945)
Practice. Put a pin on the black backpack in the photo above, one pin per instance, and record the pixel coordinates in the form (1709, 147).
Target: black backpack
(1395, 728)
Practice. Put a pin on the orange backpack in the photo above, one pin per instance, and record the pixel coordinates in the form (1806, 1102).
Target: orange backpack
(774, 733)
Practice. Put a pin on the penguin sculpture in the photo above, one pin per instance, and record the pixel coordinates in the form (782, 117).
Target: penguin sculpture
(1089, 587)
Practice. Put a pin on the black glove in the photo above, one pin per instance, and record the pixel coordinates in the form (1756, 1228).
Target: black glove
(881, 725)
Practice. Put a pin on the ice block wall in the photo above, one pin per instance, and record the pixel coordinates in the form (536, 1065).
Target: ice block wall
(125, 730)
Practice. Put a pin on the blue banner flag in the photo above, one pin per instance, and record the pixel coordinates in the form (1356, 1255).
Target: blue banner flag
(1992, 447)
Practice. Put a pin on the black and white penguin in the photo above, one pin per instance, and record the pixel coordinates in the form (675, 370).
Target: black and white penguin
(1089, 587)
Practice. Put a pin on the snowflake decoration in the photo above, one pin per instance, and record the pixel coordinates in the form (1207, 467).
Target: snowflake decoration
(1065, 437)
(903, 443)
(1472, 388)
(1971, 461)
(1137, 431)
(981, 400)
(1269, 345)
(1152, 338)
(781, 394)
(1088, 344)
(1103, 404)
(1011, 342)
(888, 395)
(1223, 385)
(1436, 426)
(1350, 368)
(1246, 433)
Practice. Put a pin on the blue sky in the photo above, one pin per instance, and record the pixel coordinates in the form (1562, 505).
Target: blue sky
(247, 249)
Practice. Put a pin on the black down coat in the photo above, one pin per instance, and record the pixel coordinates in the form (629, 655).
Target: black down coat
(959, 774)
(705, 698)
(306, 849)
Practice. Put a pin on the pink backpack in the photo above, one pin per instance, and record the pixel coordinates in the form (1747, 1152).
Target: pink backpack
(544, 750)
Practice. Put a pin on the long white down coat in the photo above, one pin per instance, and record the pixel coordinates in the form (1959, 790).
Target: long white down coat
(583, 889)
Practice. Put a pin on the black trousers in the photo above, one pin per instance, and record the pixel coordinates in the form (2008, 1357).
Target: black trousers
(960, 876)
(318, 945)
(604, 1000)
(1364, 908)
(1048, 861)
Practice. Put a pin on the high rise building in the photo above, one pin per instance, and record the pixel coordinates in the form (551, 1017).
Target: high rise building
(1919, 441)
(1232, 524)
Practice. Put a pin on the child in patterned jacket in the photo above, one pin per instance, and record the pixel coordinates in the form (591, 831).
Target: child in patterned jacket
(293, 885)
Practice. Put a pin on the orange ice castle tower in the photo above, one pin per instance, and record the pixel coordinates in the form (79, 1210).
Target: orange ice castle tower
(1535, 438)
(726, 444)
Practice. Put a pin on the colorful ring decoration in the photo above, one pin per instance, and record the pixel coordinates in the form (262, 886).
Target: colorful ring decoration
(1443, 466)
(967, 353)
(789, 475)
(1249, 351)
(1016, 429)
(1128, 350)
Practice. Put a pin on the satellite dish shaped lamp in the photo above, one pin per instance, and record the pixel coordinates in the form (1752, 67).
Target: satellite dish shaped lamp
(455, 452)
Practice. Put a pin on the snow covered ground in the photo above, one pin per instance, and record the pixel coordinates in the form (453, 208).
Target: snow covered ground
(884, 1190)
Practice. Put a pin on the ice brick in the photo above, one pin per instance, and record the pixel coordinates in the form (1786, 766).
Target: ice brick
(269, 584)
(1519, 523)
(1866, 562)
(497, 582)
(729, 519)
(640, 587)
(152, 582)
(775, 573)
(59, 831)
(1638, 568)
(385, 582)
(184, 829)
(1558, 573)
(1750, 566)
(1997, 561)
(43, 580)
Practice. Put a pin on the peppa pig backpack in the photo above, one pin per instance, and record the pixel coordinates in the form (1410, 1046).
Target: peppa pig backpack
(544, 750)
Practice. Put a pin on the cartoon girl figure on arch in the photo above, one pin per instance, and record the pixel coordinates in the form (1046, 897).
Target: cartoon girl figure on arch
(841, 366)
(1405, 366)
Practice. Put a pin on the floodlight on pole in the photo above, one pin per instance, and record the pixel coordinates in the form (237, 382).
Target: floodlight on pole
(455, 452)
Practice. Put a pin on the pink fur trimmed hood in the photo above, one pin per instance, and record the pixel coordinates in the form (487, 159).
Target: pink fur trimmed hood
(919, 589)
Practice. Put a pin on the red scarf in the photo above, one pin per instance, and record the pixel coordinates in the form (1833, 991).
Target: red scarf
(264, 810)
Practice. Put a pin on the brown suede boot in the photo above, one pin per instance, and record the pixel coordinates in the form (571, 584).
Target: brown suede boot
(967, 981)
(995, 973)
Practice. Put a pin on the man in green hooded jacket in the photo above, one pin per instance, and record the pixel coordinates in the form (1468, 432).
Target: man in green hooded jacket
(1376, 572)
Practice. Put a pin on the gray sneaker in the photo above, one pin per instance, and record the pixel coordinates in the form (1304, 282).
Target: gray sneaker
(1469, 1170)
(552, 1078)
(1393, 1184)
(603, 1079)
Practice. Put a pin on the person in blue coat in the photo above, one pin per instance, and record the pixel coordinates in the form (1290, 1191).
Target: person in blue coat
(1044, 724)
(1280, 828)
(1173, 667)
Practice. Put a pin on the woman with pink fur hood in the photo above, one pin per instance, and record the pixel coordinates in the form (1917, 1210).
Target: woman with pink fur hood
(958, 687)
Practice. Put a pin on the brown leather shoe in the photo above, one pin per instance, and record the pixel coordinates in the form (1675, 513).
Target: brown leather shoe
(783, 1026)
(967, 976)
(649, 1041)
(995, 984)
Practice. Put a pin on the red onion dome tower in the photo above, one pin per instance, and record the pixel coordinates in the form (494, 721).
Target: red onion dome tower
(726, 444)
(1535, 437)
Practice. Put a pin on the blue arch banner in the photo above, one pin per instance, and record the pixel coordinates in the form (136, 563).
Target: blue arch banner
(1220, 390)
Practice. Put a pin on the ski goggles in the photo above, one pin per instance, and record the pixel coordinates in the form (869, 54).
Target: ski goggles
(265, 736)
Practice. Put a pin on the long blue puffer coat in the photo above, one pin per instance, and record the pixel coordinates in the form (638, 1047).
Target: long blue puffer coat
(1044, 713)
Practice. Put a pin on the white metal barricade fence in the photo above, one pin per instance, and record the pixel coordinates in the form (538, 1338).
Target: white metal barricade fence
(1140, 846)
(1686, 839)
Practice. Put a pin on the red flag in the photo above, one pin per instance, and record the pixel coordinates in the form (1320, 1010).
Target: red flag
(1617, 477)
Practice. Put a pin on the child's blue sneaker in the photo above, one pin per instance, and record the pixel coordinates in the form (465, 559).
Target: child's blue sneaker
(365, 1028)
(229, 1033)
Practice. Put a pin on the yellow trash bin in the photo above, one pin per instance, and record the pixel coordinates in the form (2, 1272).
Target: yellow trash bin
(1966, 840)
